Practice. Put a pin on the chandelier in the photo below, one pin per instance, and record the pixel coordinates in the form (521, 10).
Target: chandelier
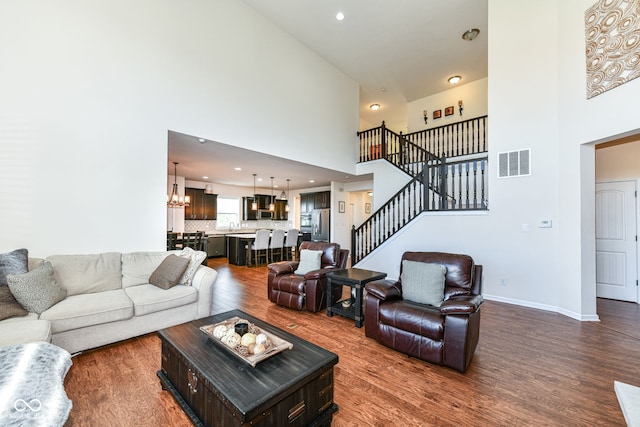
(175, 200)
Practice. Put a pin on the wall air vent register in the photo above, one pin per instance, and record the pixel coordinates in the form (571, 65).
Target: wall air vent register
(514, 163)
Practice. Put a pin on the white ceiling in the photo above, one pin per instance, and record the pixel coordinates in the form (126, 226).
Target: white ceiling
(398, 51)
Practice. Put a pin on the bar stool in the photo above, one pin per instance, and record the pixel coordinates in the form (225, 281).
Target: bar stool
(260, 247)
(291, 244)
(276, 244)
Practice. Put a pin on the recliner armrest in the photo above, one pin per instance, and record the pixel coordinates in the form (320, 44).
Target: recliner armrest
(283, 267)
(319, 273)
(461, 304)
(383, 289)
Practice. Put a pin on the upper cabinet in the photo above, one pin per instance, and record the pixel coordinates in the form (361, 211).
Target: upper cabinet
(202, 206)
(311, 201)
(281, 213)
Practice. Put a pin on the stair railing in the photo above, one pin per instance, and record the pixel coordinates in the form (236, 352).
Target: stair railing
(440, 186)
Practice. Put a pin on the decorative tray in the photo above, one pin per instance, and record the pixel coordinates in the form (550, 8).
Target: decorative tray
(245, 340)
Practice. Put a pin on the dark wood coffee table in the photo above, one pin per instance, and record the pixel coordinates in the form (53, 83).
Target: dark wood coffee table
(216, 388)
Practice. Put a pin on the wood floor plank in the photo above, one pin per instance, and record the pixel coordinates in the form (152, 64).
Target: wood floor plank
(531, 368)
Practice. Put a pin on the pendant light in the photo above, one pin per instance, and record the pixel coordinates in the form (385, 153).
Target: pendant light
(254, 204)
(272, 207)
(286, 207)
(175, 200)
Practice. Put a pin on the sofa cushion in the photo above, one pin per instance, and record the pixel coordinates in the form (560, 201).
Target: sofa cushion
(309, 261)
(138, 266)
(169, 272)
(84, 274)
(14, 262)
(195, 259)
(20, 330)
(9, 307)
(78, 311)
(149, 298)
(423, 282)
(36, 290)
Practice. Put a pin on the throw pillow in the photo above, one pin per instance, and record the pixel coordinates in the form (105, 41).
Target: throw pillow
(169, 272)
(423, 282)
(9, 307)
(37, 290)
(14, 262)
(309, 261)
(195, 259)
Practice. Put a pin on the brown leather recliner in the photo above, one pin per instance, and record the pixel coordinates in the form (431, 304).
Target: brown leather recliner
(309, 291)
(445, 335)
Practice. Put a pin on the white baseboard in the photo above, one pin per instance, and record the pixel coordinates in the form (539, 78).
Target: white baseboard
(545, 307)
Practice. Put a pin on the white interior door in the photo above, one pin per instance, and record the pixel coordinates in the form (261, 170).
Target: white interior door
(616, 245)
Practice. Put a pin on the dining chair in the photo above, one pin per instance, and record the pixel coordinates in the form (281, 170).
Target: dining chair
(291, 244)
(276, 244)
(192, 240)
(260, 248)
(172, 239)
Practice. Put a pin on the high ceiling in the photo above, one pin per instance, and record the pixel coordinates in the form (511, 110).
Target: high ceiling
(398, 51)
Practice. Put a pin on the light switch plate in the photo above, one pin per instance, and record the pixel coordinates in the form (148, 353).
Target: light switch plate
(544, 223)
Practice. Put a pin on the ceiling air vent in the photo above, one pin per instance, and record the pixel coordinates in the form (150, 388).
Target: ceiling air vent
(514, 163)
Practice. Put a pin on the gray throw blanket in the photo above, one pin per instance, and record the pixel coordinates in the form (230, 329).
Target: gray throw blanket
(32, 385)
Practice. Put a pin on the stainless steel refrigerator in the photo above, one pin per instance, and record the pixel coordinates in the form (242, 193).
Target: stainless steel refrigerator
(320, 225)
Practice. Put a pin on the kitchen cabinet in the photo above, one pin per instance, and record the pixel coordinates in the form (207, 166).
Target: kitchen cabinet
(322, 200)
(216, 246)
(263, 201)
(306, 202)
(201, 206)
(311, 201)
(280, 213)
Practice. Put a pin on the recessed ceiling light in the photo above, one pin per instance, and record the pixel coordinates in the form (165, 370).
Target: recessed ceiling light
(205, 177)
(259, 179)
(340, 16)
(201, 140)
(470, 34)
(237, 169)
(454, 79)
(374, 107)
(312, 181)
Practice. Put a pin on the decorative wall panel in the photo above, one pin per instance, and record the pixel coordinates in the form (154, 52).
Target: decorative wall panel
(612, 36)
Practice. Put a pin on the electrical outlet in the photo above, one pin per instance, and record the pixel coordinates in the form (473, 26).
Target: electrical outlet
(503, 281)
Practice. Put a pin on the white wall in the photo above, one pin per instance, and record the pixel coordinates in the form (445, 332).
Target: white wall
(474, 104)
(90, 89)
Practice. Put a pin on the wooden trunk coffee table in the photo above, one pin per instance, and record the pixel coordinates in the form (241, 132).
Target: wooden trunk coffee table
(216, 388)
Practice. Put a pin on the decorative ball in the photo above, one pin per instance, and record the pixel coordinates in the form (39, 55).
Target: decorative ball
(220, 331)
(248, 339)
(261, 339)
(242, 349)
(259, 348)
(232, 340)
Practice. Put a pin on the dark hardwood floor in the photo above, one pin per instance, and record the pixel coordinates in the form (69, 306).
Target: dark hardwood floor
(531, 367)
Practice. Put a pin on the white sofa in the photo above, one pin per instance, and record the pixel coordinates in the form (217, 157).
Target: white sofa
(109, 299)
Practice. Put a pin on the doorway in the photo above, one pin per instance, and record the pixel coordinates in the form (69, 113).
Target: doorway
(616, 241)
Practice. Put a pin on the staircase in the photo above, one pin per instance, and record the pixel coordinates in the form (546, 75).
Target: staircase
(454, 180)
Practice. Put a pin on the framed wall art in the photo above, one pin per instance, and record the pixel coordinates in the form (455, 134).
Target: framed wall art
(448, 111)
(437, 114)
(341, 206)
(367, 208)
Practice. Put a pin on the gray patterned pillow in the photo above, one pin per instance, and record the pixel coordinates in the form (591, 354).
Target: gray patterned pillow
(36, 290)
(170, 270)
(14, 262)
(423, 282)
